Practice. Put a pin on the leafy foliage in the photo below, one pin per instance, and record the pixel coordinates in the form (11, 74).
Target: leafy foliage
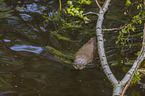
(124, 34)
(88, 2)
(125, 30)
(76, 10)
(129, 28)
(128, 2)
(136, 77)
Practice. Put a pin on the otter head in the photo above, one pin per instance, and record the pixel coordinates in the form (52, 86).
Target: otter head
(80, 62)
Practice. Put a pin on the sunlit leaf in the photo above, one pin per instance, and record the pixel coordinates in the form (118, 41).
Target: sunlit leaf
(140, 21)
(69, 3)
(128, 2)
(116, 42)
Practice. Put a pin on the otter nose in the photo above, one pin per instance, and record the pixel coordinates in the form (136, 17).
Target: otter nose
(80, 67)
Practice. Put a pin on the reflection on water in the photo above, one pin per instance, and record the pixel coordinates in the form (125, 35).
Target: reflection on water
(27, 48)
(6, 40)
(4, 93)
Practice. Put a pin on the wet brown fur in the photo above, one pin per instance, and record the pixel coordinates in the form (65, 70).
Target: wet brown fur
(86, 51)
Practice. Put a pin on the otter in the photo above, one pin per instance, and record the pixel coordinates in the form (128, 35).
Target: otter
(85, 54)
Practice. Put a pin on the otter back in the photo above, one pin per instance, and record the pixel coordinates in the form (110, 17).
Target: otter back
(85, 54)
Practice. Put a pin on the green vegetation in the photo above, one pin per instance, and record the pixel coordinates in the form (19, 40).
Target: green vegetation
(76, 10)
(136, 20)
(136, 77)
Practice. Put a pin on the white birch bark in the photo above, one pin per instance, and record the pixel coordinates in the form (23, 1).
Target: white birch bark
(101, 49)
(118, 85)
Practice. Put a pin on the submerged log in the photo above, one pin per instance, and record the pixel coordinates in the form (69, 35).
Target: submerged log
(85, 54)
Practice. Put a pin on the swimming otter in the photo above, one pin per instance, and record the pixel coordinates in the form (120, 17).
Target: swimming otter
(85, 54)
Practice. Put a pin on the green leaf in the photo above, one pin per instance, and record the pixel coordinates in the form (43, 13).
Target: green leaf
(71, 6)
(117, 42)
(128, 2)
(88, 2)
(142, 14)
(133, 29)
(69, 3)
(139, 21)
(68, 10)
(137, 6)
(138, 53)
(136, 77)
(137, 17)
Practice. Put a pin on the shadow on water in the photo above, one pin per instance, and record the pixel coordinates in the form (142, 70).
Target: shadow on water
(36, 52)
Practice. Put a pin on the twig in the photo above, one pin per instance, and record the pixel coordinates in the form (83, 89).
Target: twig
(91, 13)
(124, 89)
(129, 13)
(104, 4)
(141, 70)
(98, 5)
(59, 5)
(119, 27)
(113, 29)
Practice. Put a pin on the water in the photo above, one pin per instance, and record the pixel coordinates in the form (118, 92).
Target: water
(27, 48)
(28, 68)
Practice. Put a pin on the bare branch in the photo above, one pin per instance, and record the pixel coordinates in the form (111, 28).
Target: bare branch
(98, 5)
(113, 29)
(141, 70)
(119, 27)
(91, 13)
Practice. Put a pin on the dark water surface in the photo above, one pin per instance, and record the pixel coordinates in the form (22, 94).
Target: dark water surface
(28, 68)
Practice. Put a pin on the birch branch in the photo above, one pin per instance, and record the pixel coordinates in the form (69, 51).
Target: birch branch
(98, 5)
(113, 29)
(101, 49)
(137, 63)
(91, 13)
(118, 86)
